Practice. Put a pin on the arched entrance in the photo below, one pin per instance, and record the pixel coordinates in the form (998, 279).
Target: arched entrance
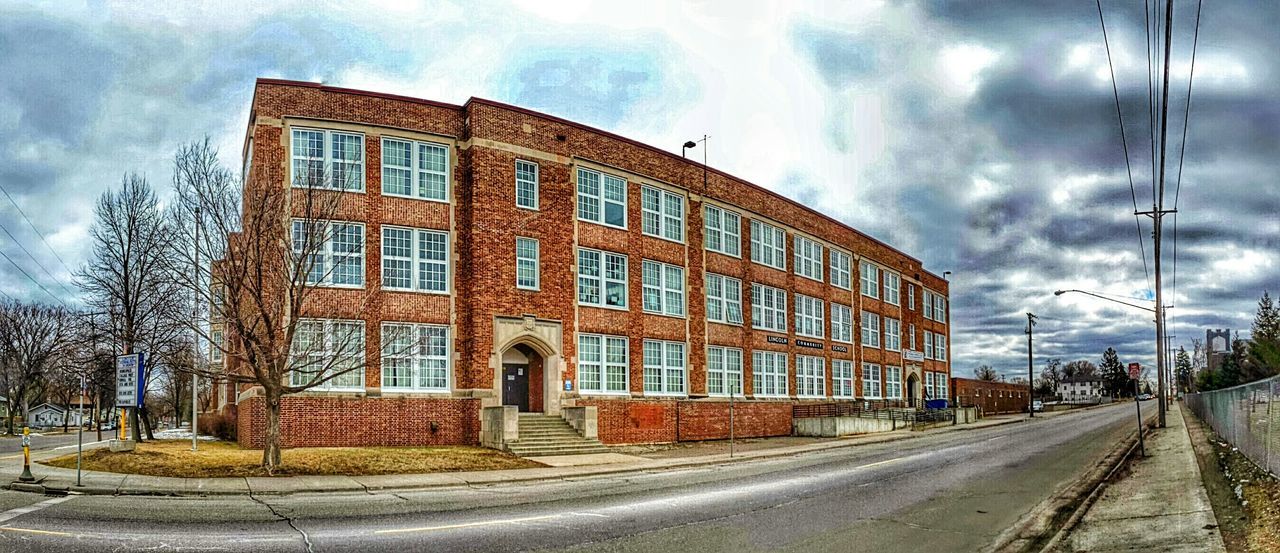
(913, 384)
(522, 378)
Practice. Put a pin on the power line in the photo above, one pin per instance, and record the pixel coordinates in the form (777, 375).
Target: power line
(37, 231)
(1182, 153)
(33, 281)
(33, 258)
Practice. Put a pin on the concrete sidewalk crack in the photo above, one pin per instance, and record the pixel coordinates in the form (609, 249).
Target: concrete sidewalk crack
(306, 540)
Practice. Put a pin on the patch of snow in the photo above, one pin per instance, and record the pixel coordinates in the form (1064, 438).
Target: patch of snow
(180, 434)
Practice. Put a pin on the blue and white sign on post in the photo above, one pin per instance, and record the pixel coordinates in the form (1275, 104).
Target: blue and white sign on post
(129, 375)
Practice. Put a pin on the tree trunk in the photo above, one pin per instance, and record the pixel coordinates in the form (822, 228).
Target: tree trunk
(97, 416)
(133, 422)
(66, 418)
(146, 422)
(271, 444)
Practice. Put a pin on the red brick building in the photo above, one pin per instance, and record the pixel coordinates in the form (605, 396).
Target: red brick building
(989, 397)
(550, 264)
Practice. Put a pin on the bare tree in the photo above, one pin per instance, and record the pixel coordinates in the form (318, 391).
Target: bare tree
(32, 336)
(1079, 369)
(987, 373)
(1052, 374)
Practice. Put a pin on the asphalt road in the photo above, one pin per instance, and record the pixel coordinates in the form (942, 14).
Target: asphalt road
(945, 492)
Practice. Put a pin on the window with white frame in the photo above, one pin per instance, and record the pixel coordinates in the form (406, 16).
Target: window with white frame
(808, 258)
(840, 269)
(527, 261)
(526, 184)
(911, 296)
(327, 159)
(928, 345)
(768, 245)
(939, 308)
(602, 278)
(602, 364)
(602, 198)
(912, 336)
(724, 299)
(722, 231)
(892, 293)
(809, 317)
(926, 304)
(662, 213)
(940, 382)
(331, 254)
(842, 378)
(841, 323)
(893, 382)
(810, 376)
(415, 259)
(940, 347)
(215, 346)
(870, 329)
(928, 386)
(663, 288)
(414, 169)
(328, 349)
(664, 367)
(871, 385)
(768, 308)
(724, 371)
(768, 374)
(415, 357)
(892, 334)
(870, 279)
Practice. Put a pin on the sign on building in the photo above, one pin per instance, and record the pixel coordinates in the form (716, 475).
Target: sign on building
(129, 377)
(912, 355)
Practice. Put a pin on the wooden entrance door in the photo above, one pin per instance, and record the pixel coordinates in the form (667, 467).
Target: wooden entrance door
(515, 386)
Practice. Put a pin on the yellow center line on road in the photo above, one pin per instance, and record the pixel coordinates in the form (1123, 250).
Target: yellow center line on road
(467, 525)
(33, 531)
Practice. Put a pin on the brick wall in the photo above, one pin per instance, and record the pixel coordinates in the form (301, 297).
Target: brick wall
(990, 397)
(316, 421)
(622, 421)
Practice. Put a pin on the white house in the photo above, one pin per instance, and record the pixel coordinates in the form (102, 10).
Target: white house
(47, 415)
(1080, 388)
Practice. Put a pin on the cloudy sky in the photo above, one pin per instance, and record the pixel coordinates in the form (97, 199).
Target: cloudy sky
(980, 137)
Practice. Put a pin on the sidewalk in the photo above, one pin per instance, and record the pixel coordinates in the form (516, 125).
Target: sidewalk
(106, 483)
(1161, 505)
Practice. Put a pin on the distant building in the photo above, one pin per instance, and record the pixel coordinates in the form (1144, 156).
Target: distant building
(48, 415)
(1217, 344)
(990, 397)
(1079, 388)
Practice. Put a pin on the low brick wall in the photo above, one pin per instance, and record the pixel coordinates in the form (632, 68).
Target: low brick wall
(634, 421)
(315, 421)
(655, 421)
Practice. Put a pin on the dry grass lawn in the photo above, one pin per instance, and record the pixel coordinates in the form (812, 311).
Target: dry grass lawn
(220, 459)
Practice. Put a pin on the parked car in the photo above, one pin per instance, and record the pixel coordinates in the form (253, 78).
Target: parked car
(1037, 405)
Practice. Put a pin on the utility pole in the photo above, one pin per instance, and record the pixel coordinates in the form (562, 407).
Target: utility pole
(195, 342)
(1031, 383)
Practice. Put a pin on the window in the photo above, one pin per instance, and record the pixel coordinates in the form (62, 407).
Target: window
(664, 368)
(928, 345)
(602, 198)
(334, 252)
(602, 278)
(929, 391)
(415, 259)
(332, 349)
(871, 381)
(841, 323)
(414, 169)
(939, 308)
(724, 299)
(870, 329)
(768, 374)
(215, 346)
(527, 257)
(809, 317)
(810, 376)
(721, 232)
(840, 269)
(768, 245)
(912, 337)
(892, 334)
(926, 302)
(892, 295)
(893, 382)
(724, 371)
(327, 159)
(808, 258)
(940, 347)
(526, 184)
(842, 378)
(768, 308)
(911, 296)
(415, 357)
(602, 364)
(662, 214)
(663, 288)
(940, 383)
(870, 279)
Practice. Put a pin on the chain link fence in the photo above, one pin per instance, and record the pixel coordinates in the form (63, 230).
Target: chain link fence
(1248, 416)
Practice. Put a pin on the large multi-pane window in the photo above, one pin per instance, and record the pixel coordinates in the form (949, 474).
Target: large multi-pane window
(602, 278)
(215, 346)
(768, 308)
(841, 323)
(415, 169)
(842, 378)
(870, 329)
(331, 254)
(415, 357)
(929, 392)
(811, 376)
(602, 198)
(724, 299)
(940, 382)
(870, 279)
(808, 258)
(415, 259)
(928, 345)
(768, 245)
(911, 336)
(892, 288)
(526, 184)
(911, 296)
(940, 347)
(768, 374)
(871, 381)
(721, 231)
(327, 159)
(664, 367)
(939, 308)
(663, 288)
(724, 371)
(809, 317)
(527, 261)
(602, 364)
(893, 382)
(840, 276)
(892, 334)
(662, 213)
(328, 352)
(926, 304)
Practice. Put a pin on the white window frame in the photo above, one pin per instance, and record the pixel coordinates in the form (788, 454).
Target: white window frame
(329, 254)
(722, 231)
(811, 376)
(418, 173)
(912, 337)
(661, 222)
(215, 346)
(911, 296)
(670, 295)
(328, 327)
(326, 159)
(892, 382)
(810, 317)
(603, 280)
(721, 364)
(840, 267)
(420, 264)
(808, 259)
(667, 384)
(940, 347)
(841, 323)
(528, 175)
(892, 288)
(768, 308)
(872, 385)
(892, 334)
(939, 308)
(869, 274)
(940, 383)
(768, 245)
(724, 299)
(926, 304)
(870, 329)
(768, 374)
(597, 358)
(600, 199)
(532, 265)
(427, 352)
(928, 385)
(928, 345)
(842, 379)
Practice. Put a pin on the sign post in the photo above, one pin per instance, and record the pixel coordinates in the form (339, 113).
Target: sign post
(1135, 370)
(130, 374)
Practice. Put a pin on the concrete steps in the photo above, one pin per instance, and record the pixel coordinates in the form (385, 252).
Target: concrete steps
(551, 435)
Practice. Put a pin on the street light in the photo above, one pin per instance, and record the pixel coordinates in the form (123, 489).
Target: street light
(687, 145)
(1061, 292)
